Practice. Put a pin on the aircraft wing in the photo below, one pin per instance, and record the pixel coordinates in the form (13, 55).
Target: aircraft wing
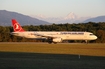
(47, 36)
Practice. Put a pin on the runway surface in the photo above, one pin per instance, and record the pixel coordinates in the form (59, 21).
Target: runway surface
(14, 60)
(31, 55)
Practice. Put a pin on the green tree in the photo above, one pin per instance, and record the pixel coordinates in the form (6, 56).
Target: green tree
(101, 36)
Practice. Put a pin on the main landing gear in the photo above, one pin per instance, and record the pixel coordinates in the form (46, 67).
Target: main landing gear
(50, 42)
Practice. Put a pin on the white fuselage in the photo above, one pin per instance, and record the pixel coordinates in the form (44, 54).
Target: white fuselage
(60, 34)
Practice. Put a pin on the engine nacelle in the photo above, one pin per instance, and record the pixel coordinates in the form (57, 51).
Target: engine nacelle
(57, 40)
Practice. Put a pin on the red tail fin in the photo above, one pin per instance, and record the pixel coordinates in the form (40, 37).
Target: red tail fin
(16, 26)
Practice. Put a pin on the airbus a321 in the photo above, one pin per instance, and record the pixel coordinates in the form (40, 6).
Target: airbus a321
(51, 36)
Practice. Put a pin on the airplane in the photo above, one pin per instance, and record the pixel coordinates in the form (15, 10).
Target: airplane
(51, 36)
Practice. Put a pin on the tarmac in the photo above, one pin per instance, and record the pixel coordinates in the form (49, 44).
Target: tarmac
(14, 60)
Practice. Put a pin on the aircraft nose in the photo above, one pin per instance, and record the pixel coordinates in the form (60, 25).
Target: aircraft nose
(95, 37)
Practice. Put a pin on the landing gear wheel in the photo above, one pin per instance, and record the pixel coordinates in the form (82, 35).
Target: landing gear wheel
(55, 42)
(50, 42)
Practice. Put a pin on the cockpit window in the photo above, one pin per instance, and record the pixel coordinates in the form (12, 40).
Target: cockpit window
(91, 34)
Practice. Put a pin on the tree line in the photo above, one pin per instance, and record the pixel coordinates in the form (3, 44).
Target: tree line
(96, 28)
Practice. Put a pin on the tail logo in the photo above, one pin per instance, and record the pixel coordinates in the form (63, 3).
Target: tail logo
(17, 27)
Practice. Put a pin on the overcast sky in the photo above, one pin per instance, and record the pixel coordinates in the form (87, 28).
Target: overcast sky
(55, 8)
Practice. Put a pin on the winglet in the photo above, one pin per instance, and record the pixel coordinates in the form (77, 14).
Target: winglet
(16, 26)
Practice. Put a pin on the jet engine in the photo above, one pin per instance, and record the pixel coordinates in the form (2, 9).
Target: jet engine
(57, 40)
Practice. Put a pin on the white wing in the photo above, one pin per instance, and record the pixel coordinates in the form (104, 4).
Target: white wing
(47, 36)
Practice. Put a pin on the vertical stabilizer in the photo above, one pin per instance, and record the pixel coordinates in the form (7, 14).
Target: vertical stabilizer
(16, 26)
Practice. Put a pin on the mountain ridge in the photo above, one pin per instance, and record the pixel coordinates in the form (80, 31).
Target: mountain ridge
(96, 19)
(6, 16)
(69, 18)
(72, 18)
